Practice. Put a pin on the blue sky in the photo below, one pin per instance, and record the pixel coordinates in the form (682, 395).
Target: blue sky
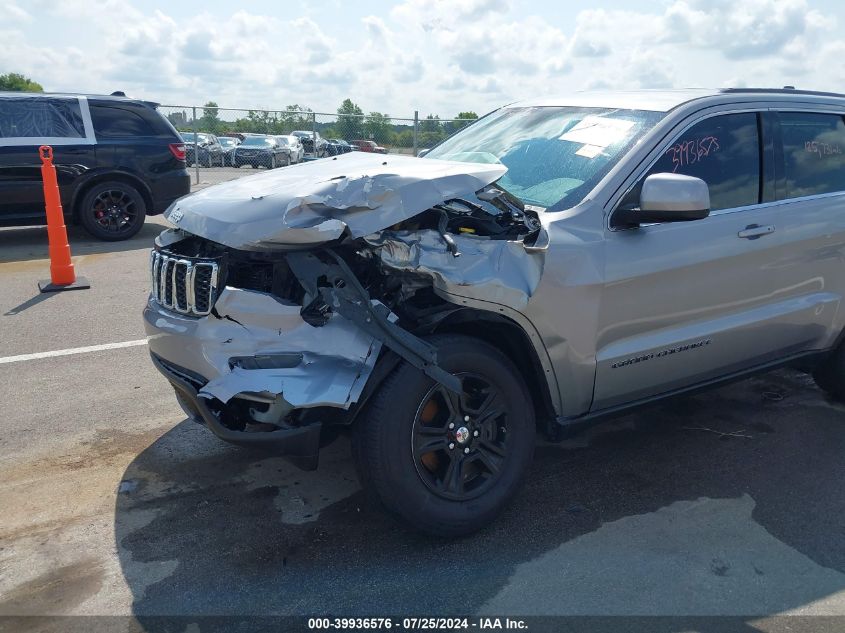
(435, 56)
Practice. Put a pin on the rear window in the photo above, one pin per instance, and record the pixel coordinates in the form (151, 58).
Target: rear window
(37, 118)
(190, 137)
(258, 141)
(813, 153)
(113, 122)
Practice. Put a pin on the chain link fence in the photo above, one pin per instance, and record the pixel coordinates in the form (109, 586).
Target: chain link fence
(235, 138)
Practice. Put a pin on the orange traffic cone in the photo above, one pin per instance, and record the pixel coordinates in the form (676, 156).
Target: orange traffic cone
(62, 275)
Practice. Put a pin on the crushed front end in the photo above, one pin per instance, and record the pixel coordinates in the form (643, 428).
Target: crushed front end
(273, 333)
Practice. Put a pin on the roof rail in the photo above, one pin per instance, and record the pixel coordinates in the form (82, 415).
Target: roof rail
(784, 90)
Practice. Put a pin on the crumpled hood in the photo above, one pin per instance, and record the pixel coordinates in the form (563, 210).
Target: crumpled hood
(315, 202)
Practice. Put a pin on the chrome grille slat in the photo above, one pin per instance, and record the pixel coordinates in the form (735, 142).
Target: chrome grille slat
(162, 289)
(174, 295)
(186, 286)
(153, 267)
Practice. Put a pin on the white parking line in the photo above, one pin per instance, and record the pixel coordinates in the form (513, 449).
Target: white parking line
(71, 351)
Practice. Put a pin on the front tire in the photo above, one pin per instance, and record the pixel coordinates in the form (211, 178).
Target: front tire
(448, 480)
(112, 211)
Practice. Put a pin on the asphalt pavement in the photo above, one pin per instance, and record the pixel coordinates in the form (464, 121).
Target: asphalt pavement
(726, 503)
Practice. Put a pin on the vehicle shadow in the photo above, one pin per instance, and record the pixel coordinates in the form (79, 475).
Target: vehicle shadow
(30, 242)
(208, 529)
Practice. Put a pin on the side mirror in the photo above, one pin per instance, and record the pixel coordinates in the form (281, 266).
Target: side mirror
(422, 152)
(667, 198)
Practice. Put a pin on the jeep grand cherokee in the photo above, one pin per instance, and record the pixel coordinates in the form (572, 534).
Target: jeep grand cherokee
(556, 261)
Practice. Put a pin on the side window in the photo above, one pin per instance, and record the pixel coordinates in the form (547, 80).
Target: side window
(813, 153)
(724, 151)
(111, 122)
(37, 117)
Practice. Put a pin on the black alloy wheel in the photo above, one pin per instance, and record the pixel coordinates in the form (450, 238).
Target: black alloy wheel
(460, 442)
(447, 463)
(113, 211)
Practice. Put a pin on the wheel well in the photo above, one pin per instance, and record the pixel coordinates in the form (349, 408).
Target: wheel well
(509, 338)
(137, 183)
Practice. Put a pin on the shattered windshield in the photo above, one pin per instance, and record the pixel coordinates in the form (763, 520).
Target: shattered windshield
(554, 155)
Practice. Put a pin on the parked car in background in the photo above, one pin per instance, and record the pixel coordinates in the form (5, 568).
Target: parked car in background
(337, 146)
(312, 142)
(203, 148)
(228, 143)
(261, 151)
(368, 146)
(294, 146)
(117, 160)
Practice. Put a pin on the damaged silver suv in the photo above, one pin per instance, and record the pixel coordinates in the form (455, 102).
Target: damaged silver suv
(554, 262)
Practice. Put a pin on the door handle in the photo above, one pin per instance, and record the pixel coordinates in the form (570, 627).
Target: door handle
(753, 231)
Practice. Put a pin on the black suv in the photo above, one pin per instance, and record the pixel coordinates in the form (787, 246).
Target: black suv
(117, 159)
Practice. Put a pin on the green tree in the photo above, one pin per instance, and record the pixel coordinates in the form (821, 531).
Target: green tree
(350, 120)
(431, 123)
(255, 121)
(18, 83)
(377, 127)
(403, 138)
(259, 121)
(210, 120)
(294, 117)
(431, 131)
(462, 120)
(209, 110)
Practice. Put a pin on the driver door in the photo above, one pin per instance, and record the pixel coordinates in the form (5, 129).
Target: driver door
(687, 302)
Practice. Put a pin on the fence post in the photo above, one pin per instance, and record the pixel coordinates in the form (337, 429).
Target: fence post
(314, 131)
(416, 123)
(196, 146)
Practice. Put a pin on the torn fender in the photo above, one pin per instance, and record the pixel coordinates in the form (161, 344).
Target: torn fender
(499, 271)
(316, 202)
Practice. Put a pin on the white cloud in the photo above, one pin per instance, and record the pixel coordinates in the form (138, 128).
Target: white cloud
(742, 30)
(439, 56)
(12, 13)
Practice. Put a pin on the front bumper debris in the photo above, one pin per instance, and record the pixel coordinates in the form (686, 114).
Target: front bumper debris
(313, 367)
(300, 444)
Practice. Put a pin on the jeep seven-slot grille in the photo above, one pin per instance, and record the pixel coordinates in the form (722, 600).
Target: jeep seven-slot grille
(182, 284)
